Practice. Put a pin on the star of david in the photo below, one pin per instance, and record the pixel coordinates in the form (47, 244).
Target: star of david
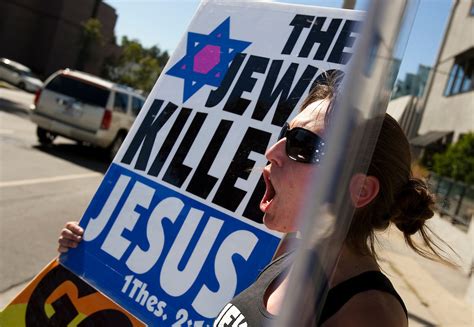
(207, 58)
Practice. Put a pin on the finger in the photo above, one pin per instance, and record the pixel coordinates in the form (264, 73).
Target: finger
(67, 242)
(68, 234)
(74, 227)
(62, 249)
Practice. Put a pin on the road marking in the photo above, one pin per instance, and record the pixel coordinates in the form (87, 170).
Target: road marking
(47, 180)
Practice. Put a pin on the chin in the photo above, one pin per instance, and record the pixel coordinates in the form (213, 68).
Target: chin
(266, 221)
(269, 223)
(274, 227)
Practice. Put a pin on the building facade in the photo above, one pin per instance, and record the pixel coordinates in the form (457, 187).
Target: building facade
(448, 105)
(48, 35)
(403, 109)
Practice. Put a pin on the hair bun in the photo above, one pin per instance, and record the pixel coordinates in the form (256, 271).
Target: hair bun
(412, 207)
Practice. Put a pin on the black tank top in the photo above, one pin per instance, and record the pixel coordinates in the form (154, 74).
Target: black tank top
(248, 309)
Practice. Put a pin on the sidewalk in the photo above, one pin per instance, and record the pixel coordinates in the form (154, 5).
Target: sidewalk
(430, 301)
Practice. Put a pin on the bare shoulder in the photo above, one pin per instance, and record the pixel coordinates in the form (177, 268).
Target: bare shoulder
(370, 308)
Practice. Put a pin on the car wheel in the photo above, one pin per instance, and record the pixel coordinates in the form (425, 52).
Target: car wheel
(45, 137)
(22, 86)
(115, 146)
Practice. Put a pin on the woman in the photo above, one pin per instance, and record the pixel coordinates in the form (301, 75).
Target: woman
(360, 295)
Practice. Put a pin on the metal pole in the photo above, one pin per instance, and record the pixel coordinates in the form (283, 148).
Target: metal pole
(329, 211)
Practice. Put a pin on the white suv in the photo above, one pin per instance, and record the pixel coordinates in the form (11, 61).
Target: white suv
(85, 108)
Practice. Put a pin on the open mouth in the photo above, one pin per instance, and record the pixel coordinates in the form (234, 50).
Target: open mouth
(269, 192)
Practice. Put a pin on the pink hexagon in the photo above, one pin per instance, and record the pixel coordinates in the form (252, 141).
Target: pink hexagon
(207, 58)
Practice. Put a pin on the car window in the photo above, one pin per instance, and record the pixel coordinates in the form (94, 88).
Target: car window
(120, 102)
(25, 73)
(9, 67)
(137, 104)
(80, 90)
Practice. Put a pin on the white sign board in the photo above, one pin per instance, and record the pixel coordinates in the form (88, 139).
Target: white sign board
(174, 230)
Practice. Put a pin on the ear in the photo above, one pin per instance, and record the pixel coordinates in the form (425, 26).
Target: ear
(363, 189)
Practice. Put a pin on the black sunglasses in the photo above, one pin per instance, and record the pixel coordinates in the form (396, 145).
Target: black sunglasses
(302, 145)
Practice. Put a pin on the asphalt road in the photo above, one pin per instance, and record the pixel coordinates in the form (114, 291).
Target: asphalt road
(40, 189)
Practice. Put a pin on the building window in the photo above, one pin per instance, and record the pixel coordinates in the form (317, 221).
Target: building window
(461, 75)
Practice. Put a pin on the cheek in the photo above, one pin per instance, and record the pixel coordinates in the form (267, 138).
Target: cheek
(301, 182)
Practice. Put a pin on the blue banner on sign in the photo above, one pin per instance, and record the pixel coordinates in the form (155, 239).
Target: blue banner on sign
(163, 256)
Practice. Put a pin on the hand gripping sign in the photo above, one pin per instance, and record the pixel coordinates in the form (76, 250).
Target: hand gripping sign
(174, 230)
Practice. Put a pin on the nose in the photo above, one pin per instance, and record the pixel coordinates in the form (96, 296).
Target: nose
(276, 154)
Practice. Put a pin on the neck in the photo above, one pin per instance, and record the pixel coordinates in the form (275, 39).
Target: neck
(351, 263)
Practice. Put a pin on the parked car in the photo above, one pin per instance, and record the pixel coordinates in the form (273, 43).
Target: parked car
(85, 108)
(19, 75)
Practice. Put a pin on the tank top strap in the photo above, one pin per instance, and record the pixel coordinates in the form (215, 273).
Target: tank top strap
(344, 291)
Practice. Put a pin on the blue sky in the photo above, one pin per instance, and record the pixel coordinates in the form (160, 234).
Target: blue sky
(163, 23)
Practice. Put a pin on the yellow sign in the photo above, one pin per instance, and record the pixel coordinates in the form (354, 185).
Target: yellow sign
(57, 297)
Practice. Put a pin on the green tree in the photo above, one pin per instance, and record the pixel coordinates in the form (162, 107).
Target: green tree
(137, 66)
(91, 29)
(457, 161)
(91, 36)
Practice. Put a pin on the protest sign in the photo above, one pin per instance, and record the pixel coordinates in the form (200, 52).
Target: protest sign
(174, 230)
(57, 297)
